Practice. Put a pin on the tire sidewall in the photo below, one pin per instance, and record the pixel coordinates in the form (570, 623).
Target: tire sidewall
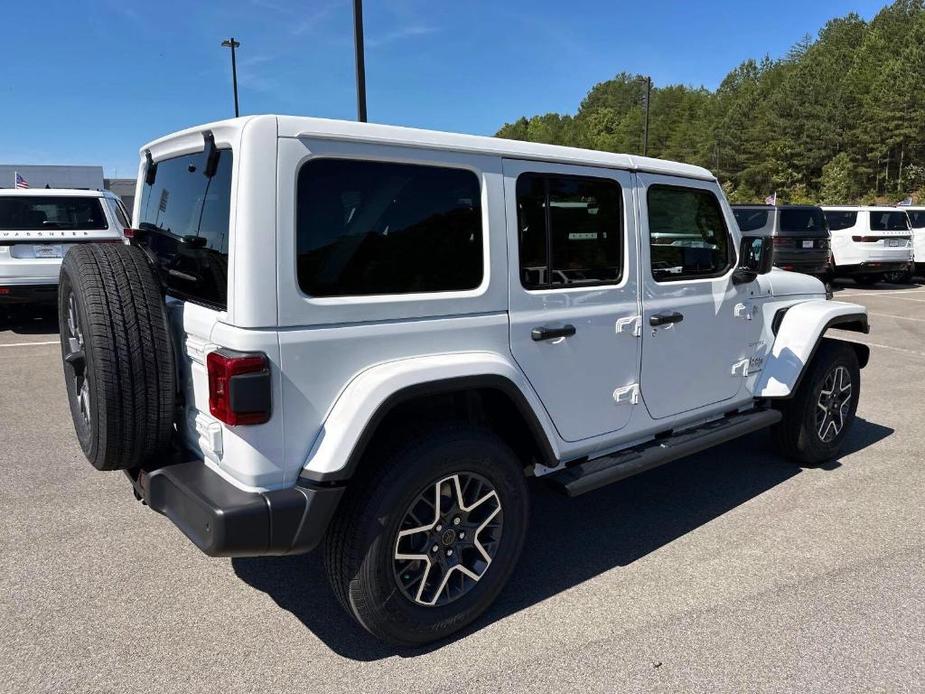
(407, 622)
(828, 358)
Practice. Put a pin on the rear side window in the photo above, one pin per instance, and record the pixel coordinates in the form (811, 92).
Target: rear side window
(750, 220)
(688, 237)
(840, 219)
(366, 227)
(53, 212)
(917, 219)
(570, 231)
(803, 219)
(183, 224)
(889, 221)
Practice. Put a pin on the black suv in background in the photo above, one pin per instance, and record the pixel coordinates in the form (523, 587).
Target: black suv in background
(799, 233)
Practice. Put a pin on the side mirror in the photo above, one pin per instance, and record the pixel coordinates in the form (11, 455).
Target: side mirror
(755, 257)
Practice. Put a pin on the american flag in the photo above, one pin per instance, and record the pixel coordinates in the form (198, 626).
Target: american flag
(20, 181)
(905, 203)
(771, 199)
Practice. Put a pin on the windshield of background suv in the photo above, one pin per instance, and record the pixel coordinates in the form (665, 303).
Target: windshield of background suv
(917, 218)
(841, 219)
(750, 220)
(48, 213)
(889, 221)
(809, 220)
(183, 225)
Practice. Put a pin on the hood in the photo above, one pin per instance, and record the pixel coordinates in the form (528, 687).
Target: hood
(784, 283)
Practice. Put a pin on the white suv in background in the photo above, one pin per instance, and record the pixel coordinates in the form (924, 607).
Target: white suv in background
(36, 229)
(869, 243)
(917, 222)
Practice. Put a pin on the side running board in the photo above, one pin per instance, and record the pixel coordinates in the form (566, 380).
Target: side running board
(591, 475)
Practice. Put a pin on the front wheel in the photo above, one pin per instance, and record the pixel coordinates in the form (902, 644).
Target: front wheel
(817, 419)
(428, 535)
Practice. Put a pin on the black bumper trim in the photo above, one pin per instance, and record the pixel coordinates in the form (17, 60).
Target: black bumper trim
(224, 521)
(28, 293)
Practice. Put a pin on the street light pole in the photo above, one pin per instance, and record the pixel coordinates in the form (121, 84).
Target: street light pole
(360, 61)
(232, 44)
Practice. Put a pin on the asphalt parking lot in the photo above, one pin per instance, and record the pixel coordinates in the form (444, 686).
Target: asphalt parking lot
(729, 571)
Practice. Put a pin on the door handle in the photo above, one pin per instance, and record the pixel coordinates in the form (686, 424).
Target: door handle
(657, 319)
(542, 333)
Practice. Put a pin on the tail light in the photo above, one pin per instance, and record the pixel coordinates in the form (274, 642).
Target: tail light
(239, 387)
(780, 242)
(865, 239)
(128, 233)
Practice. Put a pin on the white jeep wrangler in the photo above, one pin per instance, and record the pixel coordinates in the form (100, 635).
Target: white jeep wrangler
(371, 336)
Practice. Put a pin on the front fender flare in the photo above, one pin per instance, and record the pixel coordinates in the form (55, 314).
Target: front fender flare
(353, 417)
(798, 337)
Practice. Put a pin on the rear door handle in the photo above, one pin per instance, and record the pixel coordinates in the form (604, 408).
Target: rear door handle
(542, 333)
(657, 319)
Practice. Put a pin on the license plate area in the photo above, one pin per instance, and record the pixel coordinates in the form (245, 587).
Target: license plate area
(50, 250)
(808, 243)
(895, 243)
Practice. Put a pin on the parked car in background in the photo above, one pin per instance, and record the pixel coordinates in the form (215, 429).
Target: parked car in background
(917, 222)
(870, 243)
(36, 229)
(799, 234)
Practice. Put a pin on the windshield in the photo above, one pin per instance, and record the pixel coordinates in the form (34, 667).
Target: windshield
(809, 220)
(183, 224)
(888, 221)
(52, 212)
(841, 219)
(750, 220)
(917, 218)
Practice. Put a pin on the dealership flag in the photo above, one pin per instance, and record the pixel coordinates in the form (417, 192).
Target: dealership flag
(771, 199)
(19, 181)
(905, 203)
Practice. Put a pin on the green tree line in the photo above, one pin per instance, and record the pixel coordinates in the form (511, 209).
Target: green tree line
(839, 119)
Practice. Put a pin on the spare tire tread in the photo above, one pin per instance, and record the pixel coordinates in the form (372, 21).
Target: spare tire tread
(129, 354)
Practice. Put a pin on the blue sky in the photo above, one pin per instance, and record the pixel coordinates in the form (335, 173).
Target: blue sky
(90, 81)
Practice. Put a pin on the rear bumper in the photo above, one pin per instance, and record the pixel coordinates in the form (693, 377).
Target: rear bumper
(873, 268)
(224, 521)
(28, 293)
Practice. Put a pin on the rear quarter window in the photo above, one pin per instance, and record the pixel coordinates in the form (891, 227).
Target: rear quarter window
(750, 220)
(183, 225)
(371, 228)
(840, 219)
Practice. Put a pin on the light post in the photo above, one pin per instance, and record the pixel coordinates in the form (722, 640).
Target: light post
(232, 44)
(360, 62)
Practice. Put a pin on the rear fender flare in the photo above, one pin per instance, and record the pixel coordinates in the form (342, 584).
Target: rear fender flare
(799, 335)
(353, 418)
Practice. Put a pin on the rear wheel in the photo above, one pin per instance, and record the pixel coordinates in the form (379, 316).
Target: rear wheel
(899, 277)
(118, 359)
(428, 536)
(820, 414)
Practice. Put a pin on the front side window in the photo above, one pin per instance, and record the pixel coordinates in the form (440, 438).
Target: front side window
(183, 225)
(688, 237)
(889, 221)
(366, 227)
(917, 219)
(47, 213)
(570, 231)
(840, 219)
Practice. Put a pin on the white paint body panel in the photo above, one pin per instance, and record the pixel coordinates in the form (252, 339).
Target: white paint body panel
(797, 336)
(334, 360)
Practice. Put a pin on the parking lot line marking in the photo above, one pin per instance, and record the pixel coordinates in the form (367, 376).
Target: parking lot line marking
(30, 344)
(848, 337)
(876, 293)
(890, 315)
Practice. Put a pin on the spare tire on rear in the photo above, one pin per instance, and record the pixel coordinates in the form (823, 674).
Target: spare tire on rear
(118, 358)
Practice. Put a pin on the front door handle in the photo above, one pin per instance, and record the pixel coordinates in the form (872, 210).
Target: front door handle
(657, 319)
(543, 333)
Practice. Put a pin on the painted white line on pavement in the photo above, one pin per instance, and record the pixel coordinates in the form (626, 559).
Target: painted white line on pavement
(849, 337)
(890, 315)
(31, 344)
(874, 292)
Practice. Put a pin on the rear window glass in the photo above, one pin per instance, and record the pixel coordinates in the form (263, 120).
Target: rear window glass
(52, 212)
(808, 219)
(889, 221)
(366, 227)
(183, 224)
(840, 219)
(750, 220)
(917, 219)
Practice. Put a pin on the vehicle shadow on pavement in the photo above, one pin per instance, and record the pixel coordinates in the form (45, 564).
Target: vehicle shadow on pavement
(570, 540)
(39, 323)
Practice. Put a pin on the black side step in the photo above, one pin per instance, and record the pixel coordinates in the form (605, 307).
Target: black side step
(596, 473)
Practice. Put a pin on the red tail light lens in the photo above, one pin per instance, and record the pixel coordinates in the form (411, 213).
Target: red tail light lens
(239, 387)
(128, 233)
(780, 242)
